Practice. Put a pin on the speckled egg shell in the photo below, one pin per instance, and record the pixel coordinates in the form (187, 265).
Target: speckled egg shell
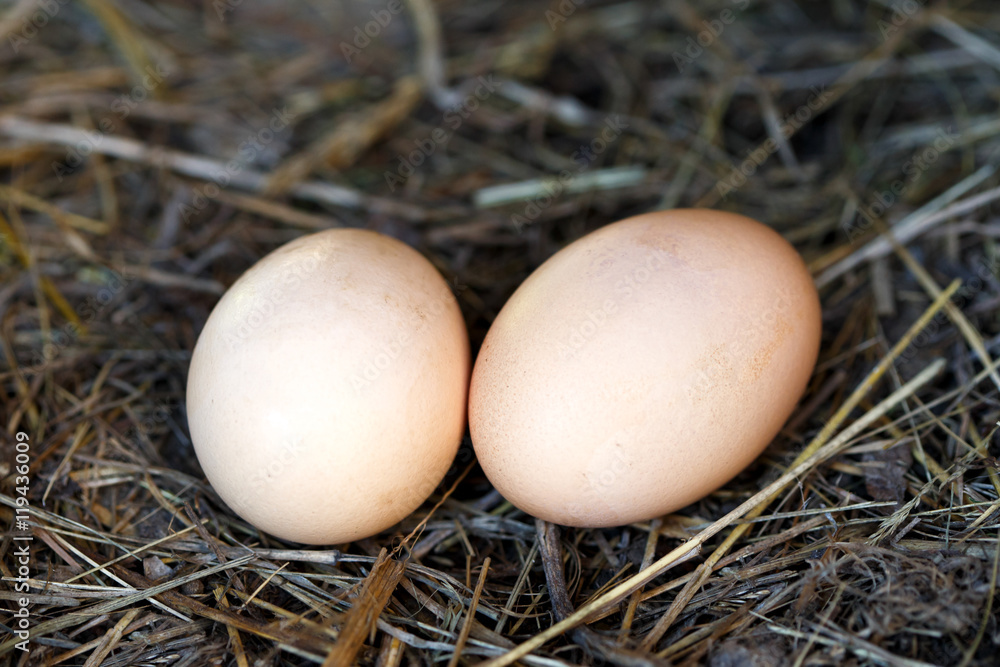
(643, 366)
(327, 392)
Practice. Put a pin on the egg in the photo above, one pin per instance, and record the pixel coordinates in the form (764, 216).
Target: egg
(643, 366)
(327, 392)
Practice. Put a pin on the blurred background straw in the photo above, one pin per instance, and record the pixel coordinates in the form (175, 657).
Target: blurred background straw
(151, 152)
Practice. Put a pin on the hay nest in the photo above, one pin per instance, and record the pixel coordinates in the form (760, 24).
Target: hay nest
(151, 152)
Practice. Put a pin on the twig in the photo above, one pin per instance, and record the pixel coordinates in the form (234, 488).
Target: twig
(602, 179)
(430, 61)
(374, 595)
(200, 167)
(918, 222)
(470, 618)
(592, 643)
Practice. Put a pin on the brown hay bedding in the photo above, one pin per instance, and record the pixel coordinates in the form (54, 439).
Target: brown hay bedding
(885, 552)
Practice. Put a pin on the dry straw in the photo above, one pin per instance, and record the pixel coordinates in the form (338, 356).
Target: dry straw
(150, 154)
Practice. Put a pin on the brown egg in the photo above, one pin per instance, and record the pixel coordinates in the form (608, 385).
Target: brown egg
(643, 366)
(327, 392)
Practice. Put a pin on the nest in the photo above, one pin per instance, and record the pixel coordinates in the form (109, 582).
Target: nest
(151, 152)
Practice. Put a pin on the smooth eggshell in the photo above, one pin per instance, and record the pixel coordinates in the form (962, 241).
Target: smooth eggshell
(326, 395)
(643, 366)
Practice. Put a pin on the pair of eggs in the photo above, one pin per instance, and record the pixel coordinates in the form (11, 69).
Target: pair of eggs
(634, 372)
